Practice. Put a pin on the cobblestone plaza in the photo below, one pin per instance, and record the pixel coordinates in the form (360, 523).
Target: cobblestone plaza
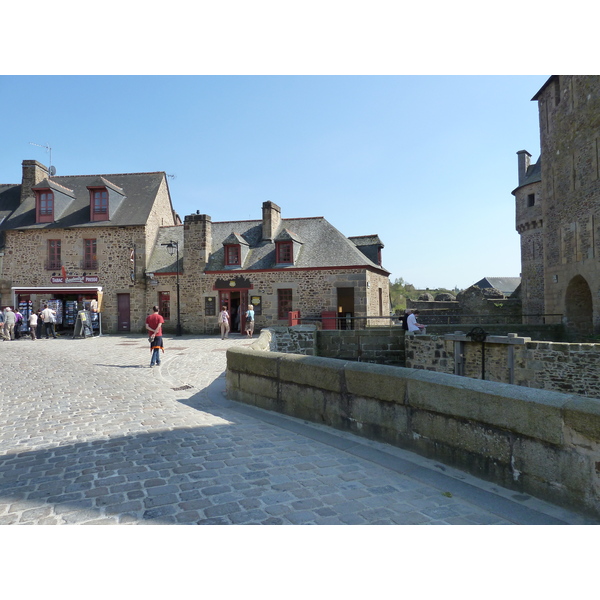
(90, 434)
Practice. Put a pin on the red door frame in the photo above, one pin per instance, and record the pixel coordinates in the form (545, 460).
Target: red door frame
(225, 300)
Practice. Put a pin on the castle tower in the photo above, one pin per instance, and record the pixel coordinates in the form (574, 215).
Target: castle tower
(529, 224)
(569, 109)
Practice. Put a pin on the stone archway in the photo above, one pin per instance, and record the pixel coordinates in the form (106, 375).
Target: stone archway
(579, 307)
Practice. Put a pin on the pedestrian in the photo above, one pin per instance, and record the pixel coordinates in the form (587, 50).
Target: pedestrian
(154, 324)
(2, 325)
(9, 324)
(40, 322)
(413, 326)
(49, 317)
(18, 324)
(405, 319)
(33, 322)
(250, 320)
(224, 322)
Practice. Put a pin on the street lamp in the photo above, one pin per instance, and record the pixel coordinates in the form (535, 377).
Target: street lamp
(172, 248)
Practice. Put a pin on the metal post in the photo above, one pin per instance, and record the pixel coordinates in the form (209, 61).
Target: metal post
(178, 302)
(170, 247)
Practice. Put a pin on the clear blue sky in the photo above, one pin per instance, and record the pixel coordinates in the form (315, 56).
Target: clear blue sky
(426, 162)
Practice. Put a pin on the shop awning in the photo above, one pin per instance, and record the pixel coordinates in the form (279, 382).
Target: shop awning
(67, 289)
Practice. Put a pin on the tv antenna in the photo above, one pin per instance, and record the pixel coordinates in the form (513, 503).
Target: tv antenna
(52, 169)
(171, 176)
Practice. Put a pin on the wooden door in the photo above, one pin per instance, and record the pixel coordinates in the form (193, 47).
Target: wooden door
(123, 312)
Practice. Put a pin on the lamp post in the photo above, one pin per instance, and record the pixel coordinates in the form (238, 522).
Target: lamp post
(172, 248)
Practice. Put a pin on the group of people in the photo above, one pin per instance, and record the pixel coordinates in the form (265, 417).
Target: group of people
(224, 321)
(409, 322)
(11, 321)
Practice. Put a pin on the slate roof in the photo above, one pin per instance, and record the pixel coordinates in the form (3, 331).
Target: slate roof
(369, 245)
(140, 191)
(507, 285)
(532, 175)
(322, 245)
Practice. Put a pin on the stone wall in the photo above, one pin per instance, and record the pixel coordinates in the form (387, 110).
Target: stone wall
(299, 339)
(498, 310)
(374, 345)
(538, 442)
(25, 266)
(313, 291)
(557, 366)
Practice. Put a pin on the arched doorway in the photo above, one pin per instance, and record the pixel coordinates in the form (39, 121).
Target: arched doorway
(579, 307)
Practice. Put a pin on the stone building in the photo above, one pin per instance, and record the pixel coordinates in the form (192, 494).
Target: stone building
(304, 265)
(106, 239)
(82, 238)
(558, 206)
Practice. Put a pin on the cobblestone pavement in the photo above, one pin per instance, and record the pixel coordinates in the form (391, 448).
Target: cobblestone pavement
(90, 434)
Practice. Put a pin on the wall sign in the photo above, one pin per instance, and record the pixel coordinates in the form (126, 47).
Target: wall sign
(76, 279)
(233, 283)
(256, 301)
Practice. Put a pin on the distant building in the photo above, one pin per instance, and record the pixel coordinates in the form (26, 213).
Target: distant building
(506, 285)
(558, 205)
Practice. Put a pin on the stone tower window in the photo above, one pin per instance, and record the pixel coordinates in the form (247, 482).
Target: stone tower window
(530, 199)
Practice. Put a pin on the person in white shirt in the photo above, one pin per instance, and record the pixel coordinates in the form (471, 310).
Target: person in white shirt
(224, 322)
(413, 326)
(33, 319)
(48, 316)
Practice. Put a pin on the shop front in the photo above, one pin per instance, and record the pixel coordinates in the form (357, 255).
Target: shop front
(66, 298)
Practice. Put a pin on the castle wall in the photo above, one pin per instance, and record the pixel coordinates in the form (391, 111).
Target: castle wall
(570, 147)
(561, 367)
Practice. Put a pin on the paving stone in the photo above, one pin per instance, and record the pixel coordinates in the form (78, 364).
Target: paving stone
(126, 448)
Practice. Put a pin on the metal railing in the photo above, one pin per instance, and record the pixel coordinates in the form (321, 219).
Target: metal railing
(363, 322)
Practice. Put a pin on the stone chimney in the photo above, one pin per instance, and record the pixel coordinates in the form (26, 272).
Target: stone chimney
(271, 220)
(197, 241)
(524, 162)
(33, 173)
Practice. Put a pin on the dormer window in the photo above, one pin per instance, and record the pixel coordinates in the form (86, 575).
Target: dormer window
(235, 249)
(287, 247)
(44, 206)
(285, 253)
(232, 255)
(99, 204)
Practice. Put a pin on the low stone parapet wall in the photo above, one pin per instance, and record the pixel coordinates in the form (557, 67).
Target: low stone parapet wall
(380, 345)
(557, 366)
(539, 442)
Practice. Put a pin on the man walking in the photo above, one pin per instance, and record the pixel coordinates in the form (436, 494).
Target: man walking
(9, 324)
(48, 316)
(154, 326)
